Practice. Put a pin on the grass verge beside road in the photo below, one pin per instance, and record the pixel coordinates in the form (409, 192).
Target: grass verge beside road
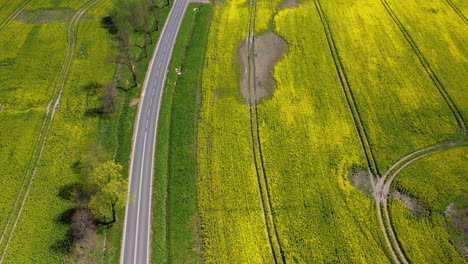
(175, 220)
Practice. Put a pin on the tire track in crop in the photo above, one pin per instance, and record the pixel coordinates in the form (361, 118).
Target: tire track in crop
(262, 179)
(20, 8)
(357, 120)
(348, 92)
(53, 105)
(427, 67)
(382, 188)
(458, 11)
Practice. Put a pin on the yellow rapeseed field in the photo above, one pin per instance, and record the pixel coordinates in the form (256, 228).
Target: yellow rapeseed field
(228, 200)
(308, 139)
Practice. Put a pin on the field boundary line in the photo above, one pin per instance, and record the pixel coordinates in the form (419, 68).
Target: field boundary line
(262, 181)
(50, 113)
(427, 67)
(15, 12)
(458, 11)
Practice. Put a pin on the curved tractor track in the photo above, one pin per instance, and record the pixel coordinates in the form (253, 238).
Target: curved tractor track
(262, 179)
(358, 123)
(14, 14)
(15, 214)
(381, 188)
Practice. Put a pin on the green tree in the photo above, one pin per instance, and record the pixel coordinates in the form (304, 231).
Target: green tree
(109, 191)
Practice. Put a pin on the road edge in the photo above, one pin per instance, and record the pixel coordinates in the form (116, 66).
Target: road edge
(136, 125)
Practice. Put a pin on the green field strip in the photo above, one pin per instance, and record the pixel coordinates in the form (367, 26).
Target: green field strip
(175, 215)
(427, 67)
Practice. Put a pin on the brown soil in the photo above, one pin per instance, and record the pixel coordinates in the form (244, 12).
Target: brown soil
(360, 180)
(289, 4)
(458, 216)
(269, 48)
(135, 101)
(410, 202)
(42, 16)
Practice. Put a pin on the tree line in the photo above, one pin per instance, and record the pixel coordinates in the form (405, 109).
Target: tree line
(132, 24)
(102, 191)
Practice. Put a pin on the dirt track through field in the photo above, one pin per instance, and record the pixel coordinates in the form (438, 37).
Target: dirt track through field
(54, 103)
(383, 186)
(262, 179)
(14, 14)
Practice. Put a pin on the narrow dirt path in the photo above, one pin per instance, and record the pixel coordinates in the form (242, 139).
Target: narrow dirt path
(54, 103)
(383, 187)
(354, 110)
(262, 179)
(14, 14)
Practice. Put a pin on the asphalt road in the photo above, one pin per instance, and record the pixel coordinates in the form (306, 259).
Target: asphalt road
(136, 243)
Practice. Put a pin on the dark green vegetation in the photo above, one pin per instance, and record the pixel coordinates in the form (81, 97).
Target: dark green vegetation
(176, 221)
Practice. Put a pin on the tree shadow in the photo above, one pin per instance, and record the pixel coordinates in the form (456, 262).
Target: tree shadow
(64, 244)
(65, 217)
(109, 23)
(93, 112)
(66, 191)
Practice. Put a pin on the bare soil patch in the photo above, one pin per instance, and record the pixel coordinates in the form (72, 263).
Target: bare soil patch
(410, 202)
(42, 16)
(458, 215)
(269, 48)
(135, 101)
(289, 4)
(360, 179)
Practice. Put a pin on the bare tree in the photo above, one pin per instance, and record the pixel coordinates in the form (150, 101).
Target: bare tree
(84, 233)
(109, 99)
(82, 224)
(154, 8)
(123, 54)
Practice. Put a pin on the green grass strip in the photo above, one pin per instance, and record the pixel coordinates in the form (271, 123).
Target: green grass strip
(175, 224)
